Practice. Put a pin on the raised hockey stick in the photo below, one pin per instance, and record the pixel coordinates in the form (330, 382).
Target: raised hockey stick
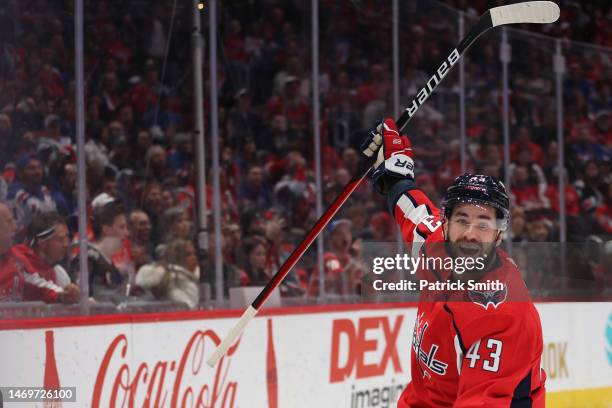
(540, 12)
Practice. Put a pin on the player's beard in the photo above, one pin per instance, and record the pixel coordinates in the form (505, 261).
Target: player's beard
(483, 253)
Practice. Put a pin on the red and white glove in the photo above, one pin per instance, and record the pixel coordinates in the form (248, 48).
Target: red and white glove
(393, 155)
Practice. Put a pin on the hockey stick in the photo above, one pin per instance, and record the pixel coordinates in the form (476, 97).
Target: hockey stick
(540, 12)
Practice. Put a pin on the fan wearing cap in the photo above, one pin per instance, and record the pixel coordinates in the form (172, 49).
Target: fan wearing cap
(107, 254)
(28, 192)
(470, 348)
(43, 276)
(53, 132)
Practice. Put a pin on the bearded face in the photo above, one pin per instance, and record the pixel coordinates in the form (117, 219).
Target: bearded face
(472, 231)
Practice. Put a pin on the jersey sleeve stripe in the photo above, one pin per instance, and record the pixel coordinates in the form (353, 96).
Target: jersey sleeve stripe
(36, 280)
(415, 214)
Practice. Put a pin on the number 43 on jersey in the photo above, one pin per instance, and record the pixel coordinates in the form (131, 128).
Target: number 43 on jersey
(490, 363)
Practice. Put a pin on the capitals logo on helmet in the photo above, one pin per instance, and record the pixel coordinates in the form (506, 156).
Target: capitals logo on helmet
(479, 189)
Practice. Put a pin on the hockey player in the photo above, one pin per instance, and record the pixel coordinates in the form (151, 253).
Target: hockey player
(470, 348)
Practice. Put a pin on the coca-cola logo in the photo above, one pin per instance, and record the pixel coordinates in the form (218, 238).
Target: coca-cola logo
(186, 383)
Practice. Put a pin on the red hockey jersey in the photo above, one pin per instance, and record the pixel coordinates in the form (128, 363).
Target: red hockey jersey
(23, 276)
(481, 350)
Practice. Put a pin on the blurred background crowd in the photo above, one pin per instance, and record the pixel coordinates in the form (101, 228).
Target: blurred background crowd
(140, 142)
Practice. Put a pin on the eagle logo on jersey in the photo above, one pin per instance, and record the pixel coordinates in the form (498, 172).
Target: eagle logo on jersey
(488, 297)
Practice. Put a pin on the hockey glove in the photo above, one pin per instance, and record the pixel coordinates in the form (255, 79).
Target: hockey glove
(393, 157)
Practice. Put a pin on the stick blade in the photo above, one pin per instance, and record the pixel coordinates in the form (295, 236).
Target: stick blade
(538, 12)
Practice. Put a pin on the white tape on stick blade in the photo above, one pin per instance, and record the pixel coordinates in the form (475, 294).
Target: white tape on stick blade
(232, 336)
(538, 12)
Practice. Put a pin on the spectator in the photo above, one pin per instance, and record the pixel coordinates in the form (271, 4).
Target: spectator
(276, 133)
(585, 149)
(551, 161)
(144, 141)
(233, 276)
(156, 163)
(603, 213)
(111, 97)
(145, 94)
(31, 197)
(572, 200)
(175, 277)
(342, 274)
(491, 156)
(255, 192)
(176, 223)
(244, 122)
(44, 278)
(450, 164)
(231, 171)
(541, 256)
(539, 230)
(519, 224)
(98, 146)
(292, 167)
(131, 186)
(528, 192)
(603, 125)
(382, 227)
(350, 160)
(126, 118)
(169, 200)
(11, 285)
(255, 249)
(106, 184)
(358, 216)
(53, 134)
(153, 206)
(6, 134)
(523, 141)
(182, 153)
(590, 188)
(65, 195)
(139, 226)
(278, 250)
(291, 104)
(121, 153)
(106, 281)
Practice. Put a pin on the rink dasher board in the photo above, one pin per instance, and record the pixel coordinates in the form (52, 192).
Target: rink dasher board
(289, 357)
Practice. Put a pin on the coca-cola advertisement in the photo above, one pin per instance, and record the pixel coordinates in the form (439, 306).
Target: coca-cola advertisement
(275, 363)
